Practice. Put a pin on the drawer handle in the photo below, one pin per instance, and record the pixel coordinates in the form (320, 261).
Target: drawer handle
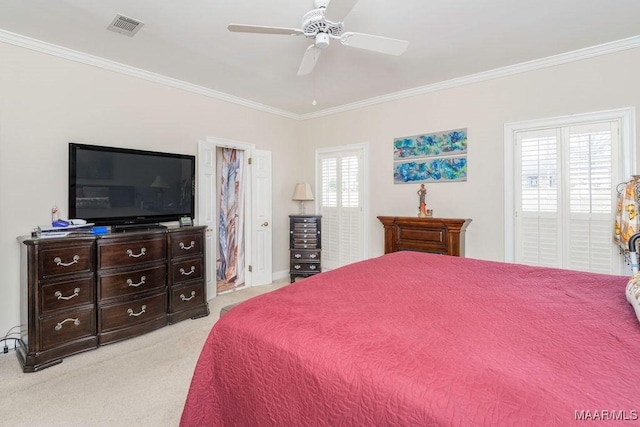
(58, 294)
(135, 285)
(131, 254)
(75, 321)
(193, 295)
(184, 273)
(131, 313)
(312, 267)
(313, 256)
(297, 266)
(297, 256)
(186, 248)
(59, 262)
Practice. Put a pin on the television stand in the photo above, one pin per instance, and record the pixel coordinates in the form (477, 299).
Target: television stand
(136, 227)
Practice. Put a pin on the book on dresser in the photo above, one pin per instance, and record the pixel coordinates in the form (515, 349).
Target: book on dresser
(83, 291)
(305, 245)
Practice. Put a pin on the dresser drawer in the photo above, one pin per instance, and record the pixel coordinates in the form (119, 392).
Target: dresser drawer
(65, 259)
(305, 267)
(303, 220)
(297, 236)
(131, 313)
(66, 294)
(431, 235)
(186, 244)
(190, 269)
(65, 327)
(311, 244)
(186, 296)
(131, 282)
(131, 252)
(305, 227)
(305, 255)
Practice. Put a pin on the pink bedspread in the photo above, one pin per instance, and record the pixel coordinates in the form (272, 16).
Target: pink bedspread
(418, 339)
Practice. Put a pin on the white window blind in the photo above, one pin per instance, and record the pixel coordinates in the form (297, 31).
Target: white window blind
(565, 199)
(341, 175)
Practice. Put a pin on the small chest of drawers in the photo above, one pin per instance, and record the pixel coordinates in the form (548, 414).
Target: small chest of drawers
(305, 239)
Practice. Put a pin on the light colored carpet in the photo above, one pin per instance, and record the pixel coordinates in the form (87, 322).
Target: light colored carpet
(141, 381)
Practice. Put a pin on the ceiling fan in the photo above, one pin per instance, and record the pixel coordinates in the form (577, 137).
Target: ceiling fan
(323, 24)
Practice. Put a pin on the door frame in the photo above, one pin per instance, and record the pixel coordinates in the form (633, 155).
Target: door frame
(205, 205)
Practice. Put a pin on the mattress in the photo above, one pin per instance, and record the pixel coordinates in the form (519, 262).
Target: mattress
(421, 339)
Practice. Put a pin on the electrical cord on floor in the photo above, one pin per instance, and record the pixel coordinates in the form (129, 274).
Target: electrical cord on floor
(7, 338)
(5, 349)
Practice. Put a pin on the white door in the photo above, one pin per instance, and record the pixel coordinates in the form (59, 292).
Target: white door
(258, 238)
(261, 259)
(206, 188)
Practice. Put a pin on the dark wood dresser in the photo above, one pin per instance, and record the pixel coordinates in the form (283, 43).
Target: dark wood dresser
(436, 235)
(304, 245)
(83, 291)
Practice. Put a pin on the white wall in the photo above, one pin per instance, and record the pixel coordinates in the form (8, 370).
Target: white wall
(47, 102)
(606, 82)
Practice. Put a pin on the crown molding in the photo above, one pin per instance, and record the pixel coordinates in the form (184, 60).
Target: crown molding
(551, 61)
(96, 61)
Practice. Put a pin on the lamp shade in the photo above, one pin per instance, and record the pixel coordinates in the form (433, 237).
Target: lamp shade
(159, 182)
(302, 192)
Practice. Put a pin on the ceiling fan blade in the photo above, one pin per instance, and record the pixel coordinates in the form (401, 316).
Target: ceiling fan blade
(240, 28)
(309, 60)
(375, 43)
(337, 10)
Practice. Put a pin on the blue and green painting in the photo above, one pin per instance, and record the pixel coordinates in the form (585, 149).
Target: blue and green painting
(431, 170)
(453, 142)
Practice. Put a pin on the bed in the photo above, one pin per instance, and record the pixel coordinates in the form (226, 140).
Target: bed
(412, 338)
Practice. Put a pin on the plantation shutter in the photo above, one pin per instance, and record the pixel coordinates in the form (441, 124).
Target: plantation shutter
(592, 156)
(329, 210)
(538, 219)
(565, 196)
(341, 202)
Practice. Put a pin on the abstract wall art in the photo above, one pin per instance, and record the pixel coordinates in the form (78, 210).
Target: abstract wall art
(434, 157)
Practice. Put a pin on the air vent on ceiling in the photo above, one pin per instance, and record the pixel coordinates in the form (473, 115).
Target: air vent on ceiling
(125, 25)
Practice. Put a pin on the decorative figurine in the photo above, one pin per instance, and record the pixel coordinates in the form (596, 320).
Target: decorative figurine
(422, 193)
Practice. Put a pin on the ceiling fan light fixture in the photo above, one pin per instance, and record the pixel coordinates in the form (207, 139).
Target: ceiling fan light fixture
(322, 40)
(316, 27)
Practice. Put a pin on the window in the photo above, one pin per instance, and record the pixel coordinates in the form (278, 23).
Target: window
(561, 201)
(341, 185)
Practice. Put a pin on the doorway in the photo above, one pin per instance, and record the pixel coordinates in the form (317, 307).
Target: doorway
(234, 193)
(230, 194)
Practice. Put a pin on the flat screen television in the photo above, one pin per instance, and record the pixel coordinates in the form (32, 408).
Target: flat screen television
(124, 187)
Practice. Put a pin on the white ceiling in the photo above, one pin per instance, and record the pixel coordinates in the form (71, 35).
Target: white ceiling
(189, 41)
